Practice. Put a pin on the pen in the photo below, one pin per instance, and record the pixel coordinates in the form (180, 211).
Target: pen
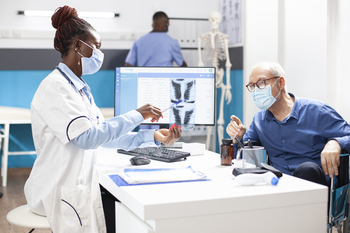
(239, 142)
(172, 106)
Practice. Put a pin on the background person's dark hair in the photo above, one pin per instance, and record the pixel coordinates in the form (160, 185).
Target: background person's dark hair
(69, 27)
(159, 15)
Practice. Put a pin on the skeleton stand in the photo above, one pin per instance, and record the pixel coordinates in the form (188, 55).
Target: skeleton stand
(216, 43)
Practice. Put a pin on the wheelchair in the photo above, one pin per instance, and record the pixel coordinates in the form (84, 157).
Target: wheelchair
(339, 200)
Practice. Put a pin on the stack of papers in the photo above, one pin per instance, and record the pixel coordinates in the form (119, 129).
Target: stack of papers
(158, 175)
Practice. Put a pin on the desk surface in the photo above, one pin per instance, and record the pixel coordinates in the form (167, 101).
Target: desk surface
(219, 196)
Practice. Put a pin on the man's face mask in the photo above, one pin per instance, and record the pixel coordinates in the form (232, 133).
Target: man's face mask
(263, 98)
(91, 65)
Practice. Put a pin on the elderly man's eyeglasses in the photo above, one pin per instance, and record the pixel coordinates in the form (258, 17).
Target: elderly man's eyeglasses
(261, 84)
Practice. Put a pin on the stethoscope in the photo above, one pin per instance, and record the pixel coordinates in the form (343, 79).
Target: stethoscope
(82, 95)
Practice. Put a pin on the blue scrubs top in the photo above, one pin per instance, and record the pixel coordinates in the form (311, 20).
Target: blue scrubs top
(155, 49)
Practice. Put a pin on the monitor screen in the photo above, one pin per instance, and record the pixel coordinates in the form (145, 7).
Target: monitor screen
(186, 95)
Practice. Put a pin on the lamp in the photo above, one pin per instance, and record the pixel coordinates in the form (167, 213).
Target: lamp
(81, 14)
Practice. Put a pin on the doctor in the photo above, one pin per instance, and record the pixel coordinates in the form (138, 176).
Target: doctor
(67, 127)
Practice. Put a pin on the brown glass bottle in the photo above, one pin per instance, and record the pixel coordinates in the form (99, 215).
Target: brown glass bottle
(226, 152)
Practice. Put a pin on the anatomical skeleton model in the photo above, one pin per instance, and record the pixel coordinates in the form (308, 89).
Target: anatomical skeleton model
(215, 48)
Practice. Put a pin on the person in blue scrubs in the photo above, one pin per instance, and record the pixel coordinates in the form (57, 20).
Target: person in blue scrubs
(156, 48)
(302, 137)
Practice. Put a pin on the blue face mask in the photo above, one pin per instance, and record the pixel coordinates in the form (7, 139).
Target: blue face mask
(263, 98)
(91, 65)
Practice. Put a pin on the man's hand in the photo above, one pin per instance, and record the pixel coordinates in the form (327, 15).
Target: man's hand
(236, 128)
(330, 158)
(168, 136)
(148, 111)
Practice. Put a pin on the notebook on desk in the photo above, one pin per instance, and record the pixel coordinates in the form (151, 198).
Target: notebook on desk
(157, 176)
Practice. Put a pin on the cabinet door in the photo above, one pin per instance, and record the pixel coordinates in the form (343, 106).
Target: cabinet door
(128, 222)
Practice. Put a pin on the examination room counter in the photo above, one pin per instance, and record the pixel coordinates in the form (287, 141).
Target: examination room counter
(218, 204)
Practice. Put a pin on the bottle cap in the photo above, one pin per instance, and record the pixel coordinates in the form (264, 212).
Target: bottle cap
(274, 181)
(227, 141)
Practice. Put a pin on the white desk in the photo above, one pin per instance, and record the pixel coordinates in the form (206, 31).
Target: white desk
(12, 115)
(220, 205)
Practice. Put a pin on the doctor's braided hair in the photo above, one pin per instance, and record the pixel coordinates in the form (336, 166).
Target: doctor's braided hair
(69, 27)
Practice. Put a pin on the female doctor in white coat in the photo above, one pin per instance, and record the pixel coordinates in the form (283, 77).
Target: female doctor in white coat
(67, 127)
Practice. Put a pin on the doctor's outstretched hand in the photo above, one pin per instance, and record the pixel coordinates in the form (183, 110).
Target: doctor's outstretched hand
(236, 128)
(150, 111)
(168, 136)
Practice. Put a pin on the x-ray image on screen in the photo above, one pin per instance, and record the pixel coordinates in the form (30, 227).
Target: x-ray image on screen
(185, 95)
(183, 113)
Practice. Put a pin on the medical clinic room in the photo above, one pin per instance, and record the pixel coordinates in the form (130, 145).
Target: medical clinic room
(200, 116)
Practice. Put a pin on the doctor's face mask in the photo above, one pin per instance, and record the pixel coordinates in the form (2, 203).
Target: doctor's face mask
(91, 65)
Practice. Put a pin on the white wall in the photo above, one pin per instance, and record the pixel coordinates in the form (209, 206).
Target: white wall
(260, 43)
(310, 39)
(339, 56)
(18, 31)
(305, 53)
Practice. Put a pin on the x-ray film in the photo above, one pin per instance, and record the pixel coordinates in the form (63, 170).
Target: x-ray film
(183, 113)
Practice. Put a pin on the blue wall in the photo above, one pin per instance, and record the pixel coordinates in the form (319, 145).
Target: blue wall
(17, 90)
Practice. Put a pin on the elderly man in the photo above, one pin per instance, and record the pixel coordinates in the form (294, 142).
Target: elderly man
(302, 137)
(156, 48)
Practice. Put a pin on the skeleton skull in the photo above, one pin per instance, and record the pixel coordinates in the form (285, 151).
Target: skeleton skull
(214, 19)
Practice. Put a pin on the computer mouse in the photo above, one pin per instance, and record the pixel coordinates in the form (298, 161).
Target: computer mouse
(139, 160)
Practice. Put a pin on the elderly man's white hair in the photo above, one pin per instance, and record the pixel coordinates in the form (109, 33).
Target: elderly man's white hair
(273, 67)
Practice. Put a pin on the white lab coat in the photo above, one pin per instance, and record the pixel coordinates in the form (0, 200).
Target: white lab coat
(63, 184)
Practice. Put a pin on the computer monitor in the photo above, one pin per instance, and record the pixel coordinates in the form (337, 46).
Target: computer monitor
(188, 92)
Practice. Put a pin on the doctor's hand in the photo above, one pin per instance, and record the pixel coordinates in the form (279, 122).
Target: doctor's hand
(150, 111)
(330, 158)
(168, 136)
(236, 128)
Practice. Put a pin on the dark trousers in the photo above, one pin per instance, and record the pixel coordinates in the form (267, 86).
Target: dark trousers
(312, 172)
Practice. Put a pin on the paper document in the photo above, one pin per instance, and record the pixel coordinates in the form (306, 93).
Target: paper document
(159, 175)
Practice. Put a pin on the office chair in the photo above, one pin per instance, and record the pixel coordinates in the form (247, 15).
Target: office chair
(339, 201)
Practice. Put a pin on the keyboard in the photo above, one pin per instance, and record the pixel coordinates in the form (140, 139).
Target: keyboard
(157, 153)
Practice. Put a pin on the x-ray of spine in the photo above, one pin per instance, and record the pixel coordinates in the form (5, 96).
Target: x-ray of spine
(231, 24)
(184, 113)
